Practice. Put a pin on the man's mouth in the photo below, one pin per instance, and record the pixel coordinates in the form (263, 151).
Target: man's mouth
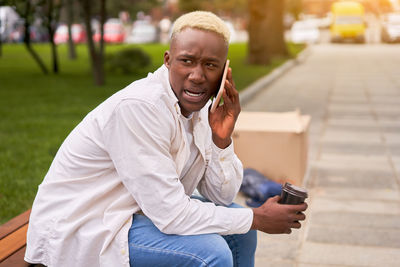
(193, 94)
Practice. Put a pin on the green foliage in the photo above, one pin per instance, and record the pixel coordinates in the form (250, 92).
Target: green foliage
(128, 61)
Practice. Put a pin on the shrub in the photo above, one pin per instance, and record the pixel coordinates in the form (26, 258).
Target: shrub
(128, 61)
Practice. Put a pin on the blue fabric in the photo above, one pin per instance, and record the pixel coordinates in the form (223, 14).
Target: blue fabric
(258, 187)
(150, 247)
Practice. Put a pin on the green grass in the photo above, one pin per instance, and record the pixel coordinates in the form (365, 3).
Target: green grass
(38, 111)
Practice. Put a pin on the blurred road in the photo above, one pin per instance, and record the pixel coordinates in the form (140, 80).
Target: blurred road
(352, 92)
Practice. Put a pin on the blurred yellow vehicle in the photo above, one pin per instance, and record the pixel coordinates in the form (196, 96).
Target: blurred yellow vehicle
(348, 21)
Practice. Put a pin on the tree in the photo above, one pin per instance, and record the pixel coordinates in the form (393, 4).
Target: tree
(266, 31)
(70, 19)
(26, 10)
(96, 54)
(50, 15)
(190, 5)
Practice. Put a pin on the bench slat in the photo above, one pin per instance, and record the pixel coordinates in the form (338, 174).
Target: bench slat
(12, 243)
(14, 224)
(16, 259)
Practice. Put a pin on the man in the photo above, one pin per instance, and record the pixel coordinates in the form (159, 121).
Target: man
(118, 192)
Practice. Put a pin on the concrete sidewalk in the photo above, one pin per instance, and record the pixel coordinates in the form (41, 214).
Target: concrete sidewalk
(352, 93)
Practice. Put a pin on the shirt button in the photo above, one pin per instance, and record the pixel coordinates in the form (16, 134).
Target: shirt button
(222, 159)
(123, 251)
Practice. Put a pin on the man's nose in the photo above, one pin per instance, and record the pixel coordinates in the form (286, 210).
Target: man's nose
(197, 74)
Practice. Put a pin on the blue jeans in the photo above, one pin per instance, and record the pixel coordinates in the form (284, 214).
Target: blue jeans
(150, 247)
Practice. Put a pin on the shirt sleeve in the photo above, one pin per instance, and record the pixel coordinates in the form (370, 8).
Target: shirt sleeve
(138, 138)
(223, 176)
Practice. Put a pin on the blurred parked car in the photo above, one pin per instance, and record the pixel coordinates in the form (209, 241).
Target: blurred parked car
(114, 32)
(77, 30)
(143, 32)
(304, 32)
(391, 28)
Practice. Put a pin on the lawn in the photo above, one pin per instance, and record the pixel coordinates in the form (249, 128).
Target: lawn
(38, 111)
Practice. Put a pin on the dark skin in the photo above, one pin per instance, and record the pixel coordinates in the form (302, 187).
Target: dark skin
(196, 62)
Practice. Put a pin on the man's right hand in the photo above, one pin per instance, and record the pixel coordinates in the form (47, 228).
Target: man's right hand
(275, 218)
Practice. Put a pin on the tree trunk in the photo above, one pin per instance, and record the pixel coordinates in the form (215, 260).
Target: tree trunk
(54, 55)
(266, 31)
(96, 57)
(51, 21)
(27, 40)
(276, 44)
(102, 21)
(257, 51)
(35, 56)
(70, 19)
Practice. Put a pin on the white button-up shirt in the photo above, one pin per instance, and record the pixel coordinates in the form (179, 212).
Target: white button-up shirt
(126, 156)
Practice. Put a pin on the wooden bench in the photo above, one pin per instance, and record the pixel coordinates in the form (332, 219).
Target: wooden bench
(13, 241)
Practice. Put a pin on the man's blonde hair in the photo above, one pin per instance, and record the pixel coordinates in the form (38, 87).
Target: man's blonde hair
(202, 20)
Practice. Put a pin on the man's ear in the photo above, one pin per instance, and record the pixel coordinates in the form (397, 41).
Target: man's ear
(167, 58)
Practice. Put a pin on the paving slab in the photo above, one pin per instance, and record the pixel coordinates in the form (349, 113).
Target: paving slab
(396, 164)
(277, 248)
(358, 127)
(355, 99)
(332, 115)
(268, 262)
(354, 148)
(355, 165)
(348, 178)
(354, 235)
(352, 137)
(345, 255)
(375, 99)
(392, 138)
(355, 205)
(356, 159)
(354, 220)
(319, 265)
(351, 193)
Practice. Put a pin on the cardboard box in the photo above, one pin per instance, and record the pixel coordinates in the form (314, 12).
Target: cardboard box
(275, 144)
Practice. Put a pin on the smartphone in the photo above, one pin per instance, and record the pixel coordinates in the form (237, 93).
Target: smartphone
(217, 98)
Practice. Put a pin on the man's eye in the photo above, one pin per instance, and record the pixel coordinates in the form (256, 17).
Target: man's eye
(211, 65)
(187, 61)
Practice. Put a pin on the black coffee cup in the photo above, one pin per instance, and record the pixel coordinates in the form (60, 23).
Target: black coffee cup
(292, 194)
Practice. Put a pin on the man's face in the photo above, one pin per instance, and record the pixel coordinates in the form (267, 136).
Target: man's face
(195, 61)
